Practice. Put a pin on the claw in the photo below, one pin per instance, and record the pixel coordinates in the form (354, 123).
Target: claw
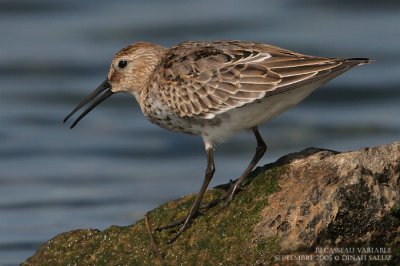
(171, 225)
(172, 240)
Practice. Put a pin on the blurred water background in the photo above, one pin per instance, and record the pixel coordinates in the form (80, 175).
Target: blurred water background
(115, 165)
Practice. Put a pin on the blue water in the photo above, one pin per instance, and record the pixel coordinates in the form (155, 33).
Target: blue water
(115, 165)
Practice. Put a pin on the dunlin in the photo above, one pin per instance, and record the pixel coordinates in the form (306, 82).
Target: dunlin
(215, 89)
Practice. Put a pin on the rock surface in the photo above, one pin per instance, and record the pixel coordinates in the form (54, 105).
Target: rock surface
(315, 206)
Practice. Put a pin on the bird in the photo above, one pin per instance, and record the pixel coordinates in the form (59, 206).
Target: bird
(214, 89)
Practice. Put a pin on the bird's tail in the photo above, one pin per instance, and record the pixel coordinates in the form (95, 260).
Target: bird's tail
(359, 61)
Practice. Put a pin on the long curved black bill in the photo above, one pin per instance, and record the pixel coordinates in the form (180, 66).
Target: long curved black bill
(105, 86)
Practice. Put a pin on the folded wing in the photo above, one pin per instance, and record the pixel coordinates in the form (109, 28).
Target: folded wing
(206, 79)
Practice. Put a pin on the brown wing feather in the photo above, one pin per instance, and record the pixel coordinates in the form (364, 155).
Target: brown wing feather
(205, 79)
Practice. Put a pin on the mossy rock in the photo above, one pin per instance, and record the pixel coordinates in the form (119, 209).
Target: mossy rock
(220, 236)
(305, 201)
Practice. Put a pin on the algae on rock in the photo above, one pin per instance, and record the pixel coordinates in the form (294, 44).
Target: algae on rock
(314, 198)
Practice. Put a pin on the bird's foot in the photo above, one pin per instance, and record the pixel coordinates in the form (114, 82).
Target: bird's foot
(227, 196)
(177, 234)
(171, 225)
(184, 221)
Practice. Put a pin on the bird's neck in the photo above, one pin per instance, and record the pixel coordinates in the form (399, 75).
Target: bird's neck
(151, 61)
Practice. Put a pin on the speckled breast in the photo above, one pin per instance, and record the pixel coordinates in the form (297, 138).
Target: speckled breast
(158, 112)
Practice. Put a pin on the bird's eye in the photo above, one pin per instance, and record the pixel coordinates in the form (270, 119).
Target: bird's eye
(122, 63)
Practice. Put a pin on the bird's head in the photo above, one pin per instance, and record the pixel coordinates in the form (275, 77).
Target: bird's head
(130, 71)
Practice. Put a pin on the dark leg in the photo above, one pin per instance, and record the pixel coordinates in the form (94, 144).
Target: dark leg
(260, 151)
(195, 207)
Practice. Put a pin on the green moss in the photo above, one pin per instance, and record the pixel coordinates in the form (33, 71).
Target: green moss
(217, 237)
(395, 210)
